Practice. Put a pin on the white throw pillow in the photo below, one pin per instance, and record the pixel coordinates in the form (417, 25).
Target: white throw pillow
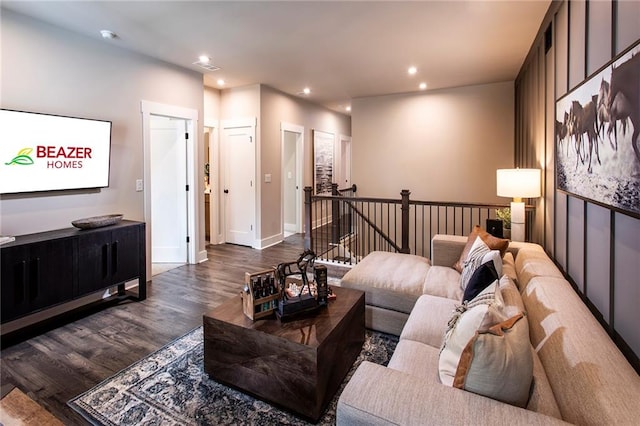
(481, 312)
(486, 349)
(479, 254)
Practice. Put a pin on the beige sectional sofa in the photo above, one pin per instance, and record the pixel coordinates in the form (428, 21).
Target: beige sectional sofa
(579, 375)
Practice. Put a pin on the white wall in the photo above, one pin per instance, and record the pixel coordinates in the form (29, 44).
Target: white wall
(443, 145)
(51, 70)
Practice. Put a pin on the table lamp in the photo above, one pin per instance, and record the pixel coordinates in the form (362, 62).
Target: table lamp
(519, 184)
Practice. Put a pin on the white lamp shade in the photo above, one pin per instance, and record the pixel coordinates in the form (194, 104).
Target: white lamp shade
(518, 183)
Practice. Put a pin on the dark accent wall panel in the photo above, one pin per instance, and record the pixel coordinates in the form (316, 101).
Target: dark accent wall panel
(627, 24)
(627, 280)
(577, 26)
(549, 164)
(561, 229)
(599, 36)
(575, 241)
(562, 51)
(598, 244)
(597, 248)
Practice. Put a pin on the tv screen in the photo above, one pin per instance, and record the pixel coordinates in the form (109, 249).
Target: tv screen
(43, 152)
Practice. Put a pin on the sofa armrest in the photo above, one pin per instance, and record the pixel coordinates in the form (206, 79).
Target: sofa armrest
(446, 249)
(378, 395)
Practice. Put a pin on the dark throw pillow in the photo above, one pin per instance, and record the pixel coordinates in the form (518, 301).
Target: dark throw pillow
(481, 278)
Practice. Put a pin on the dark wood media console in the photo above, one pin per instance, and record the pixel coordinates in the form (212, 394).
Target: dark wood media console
(42, 270)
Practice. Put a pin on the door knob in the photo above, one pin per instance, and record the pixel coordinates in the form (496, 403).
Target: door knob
(226, 191)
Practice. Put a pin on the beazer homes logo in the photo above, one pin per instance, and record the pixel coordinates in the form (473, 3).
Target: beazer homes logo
(56, 157)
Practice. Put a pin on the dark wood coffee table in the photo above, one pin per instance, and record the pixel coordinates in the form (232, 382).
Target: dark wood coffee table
(297, 365)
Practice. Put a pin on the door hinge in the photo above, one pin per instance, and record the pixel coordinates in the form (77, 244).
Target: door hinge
(186, 136)
(187, 239)
(251, 227)
(186, 187)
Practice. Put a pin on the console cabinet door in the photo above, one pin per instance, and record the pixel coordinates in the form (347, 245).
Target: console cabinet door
(36, 276)
(94, 262)
(125, 253)
(108, 258)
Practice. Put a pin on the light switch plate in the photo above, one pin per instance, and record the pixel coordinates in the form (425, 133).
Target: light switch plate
(267, 177)
(139, 187)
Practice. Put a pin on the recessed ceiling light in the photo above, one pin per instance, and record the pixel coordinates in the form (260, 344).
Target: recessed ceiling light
(220, 82)
(423, 86)
(109, 35)
(306, 90)
(412, 70)
(348, 109)
(204, 59)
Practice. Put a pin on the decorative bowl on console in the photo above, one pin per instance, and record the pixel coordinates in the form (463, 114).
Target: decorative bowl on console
(97, 221)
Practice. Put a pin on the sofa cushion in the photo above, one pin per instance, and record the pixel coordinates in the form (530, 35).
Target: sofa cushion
(443, 281)
(417, 359)
(491, 241)
(389, 280)
(541, 398)
(428, 320)
(532, 262)
(509, 267)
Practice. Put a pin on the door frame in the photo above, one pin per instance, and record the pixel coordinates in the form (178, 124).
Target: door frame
(148, 108)
(233, 124)
(299, 130)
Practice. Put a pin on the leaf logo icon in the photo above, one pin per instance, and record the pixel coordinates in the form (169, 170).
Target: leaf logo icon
(22, 158)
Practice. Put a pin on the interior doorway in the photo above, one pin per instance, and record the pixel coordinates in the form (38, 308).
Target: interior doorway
(170, 145)
(344, 169)
(292, 137)
(168, 149)
(239, 182)
(212, 186)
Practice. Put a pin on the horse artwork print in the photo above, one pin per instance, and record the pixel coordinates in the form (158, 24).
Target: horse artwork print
(597, 136)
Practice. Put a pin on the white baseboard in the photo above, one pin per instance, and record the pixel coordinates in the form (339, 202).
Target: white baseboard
(269, 241)
(290, 227)
(202, 257)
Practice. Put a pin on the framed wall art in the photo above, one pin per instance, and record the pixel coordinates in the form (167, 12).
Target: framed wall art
(597, 136)
(323, 162)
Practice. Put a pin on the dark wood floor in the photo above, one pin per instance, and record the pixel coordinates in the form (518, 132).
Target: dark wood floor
(64, 362)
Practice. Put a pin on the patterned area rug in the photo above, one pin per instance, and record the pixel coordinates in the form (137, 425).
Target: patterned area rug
(170, 387)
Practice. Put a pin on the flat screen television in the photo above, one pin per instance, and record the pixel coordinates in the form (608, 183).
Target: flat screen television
(44, 152)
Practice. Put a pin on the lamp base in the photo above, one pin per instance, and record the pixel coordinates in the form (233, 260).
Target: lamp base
(517, 221)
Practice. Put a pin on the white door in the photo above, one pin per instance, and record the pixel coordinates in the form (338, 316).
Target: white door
(168, 190)
(345, 162)
(239, 185)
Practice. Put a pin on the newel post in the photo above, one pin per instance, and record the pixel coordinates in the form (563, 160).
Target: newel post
(405, 221)
(308, 220)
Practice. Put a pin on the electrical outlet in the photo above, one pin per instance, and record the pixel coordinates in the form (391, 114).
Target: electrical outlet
(139, 187)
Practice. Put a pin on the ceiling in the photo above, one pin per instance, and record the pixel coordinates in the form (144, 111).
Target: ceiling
(340, 50)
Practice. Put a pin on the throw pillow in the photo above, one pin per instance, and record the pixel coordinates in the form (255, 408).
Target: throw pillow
(497, 362)
(478, 255)
(480, 313)
(486, 349)
(491, 241)
(481, 278)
